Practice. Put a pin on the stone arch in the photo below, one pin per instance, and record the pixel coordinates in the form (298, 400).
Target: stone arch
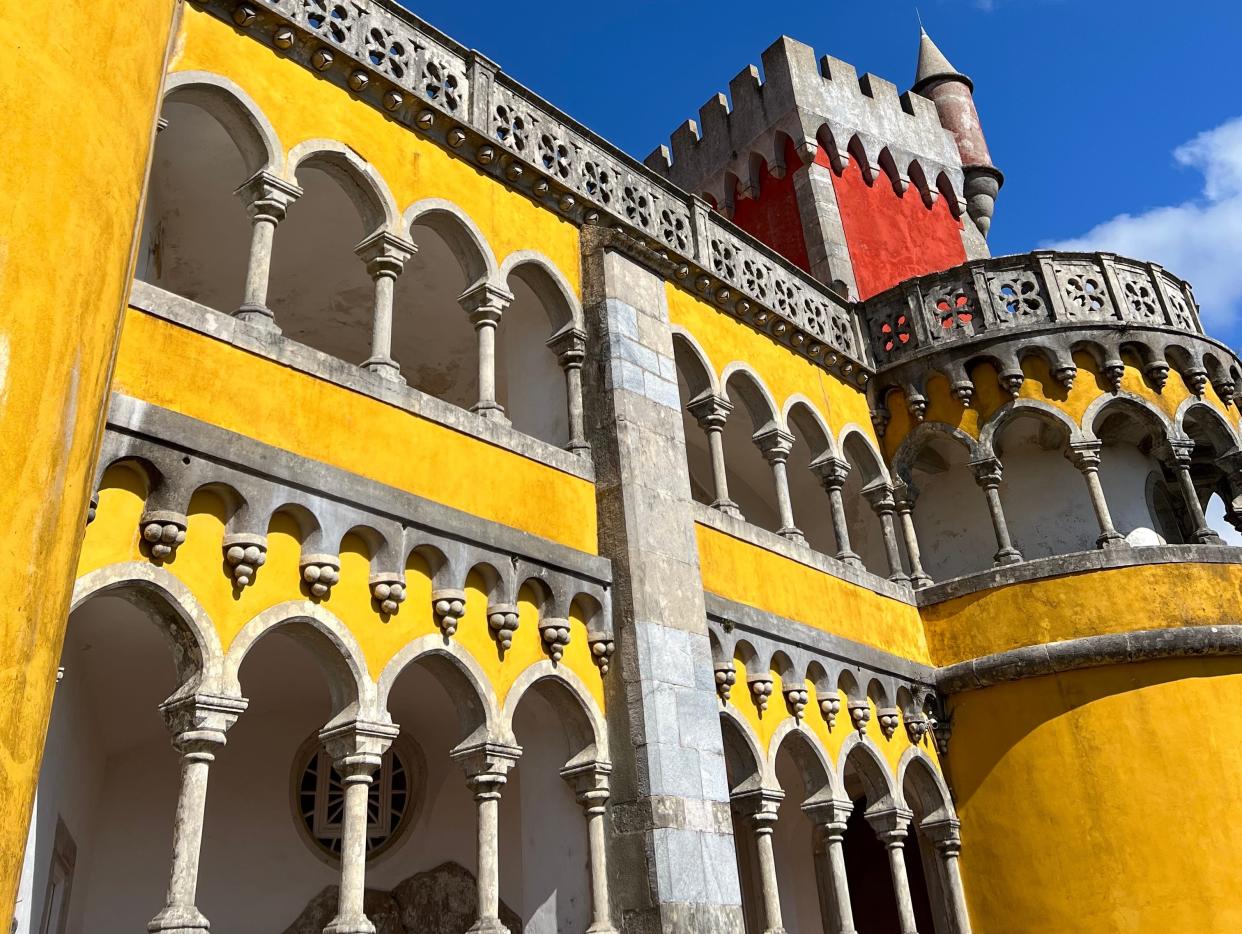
(745, 764)
(923, 789)
(867, 479)
(1024, 408)
(819, 778)
(357, 178)
(693, 366)
(352, 692)
(197, 653)
(755, 415)
(700, 396)
(1139, 409)
(462, 678)
(233, 109)
(585, 728)
(548, 283)
(860, 761)
(1194, 416)
(753, 394)
(462, 235)
(812, 443)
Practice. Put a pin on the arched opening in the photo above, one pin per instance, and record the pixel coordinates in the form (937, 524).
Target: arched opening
(695, 388)
(1142, 496)
(97, 854)
(811, 507)
(433, 340)
(865, 476)
(320, 291)
(1047, 506)
(541, 822)
(802, 777)
(866, 859)
(929, 803)
(196, 234)
(950, 512)
(751, 484)
(1213, 438)
(529, 381)
(743, 772)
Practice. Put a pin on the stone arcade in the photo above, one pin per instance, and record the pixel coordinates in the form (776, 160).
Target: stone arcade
(444, 521)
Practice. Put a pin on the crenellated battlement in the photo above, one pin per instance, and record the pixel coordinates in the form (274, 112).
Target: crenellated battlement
(810, 103)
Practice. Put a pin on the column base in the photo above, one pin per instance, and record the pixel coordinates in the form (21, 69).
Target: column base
(792, 534)
(487, 926)
(1112, 540)
(729, 508)
(848, 557)
(601, 927)
(1008, 556)
(359, 924)
(492, 411)
(581, 448)
(899, 577)
(179, 920)
(385, 368)
(259, 316)
(919, 583)
(1208, 537)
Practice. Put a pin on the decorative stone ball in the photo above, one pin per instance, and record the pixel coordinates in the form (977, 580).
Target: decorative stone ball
(163, 537)
(602, 650)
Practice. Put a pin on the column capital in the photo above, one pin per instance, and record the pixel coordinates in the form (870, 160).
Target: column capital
(589, 782)
(775, 443)
(486, 764)
(945, 834)
(831, 814)
(759, 805)
(1231, 465)
(267, 196)
(710, 410)
(569, 345)
(357, 746)
(832, 471)
(485, 303)
(890, 824)
(880, 495)
(1177, 452)
(385, 254)
(987, 472)
(1085, 455)
(905, 495)
(201, 720)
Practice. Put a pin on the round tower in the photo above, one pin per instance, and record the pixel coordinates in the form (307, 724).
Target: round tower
(953, 94)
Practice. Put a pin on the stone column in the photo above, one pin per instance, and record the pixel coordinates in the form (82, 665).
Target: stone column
(485, 304)
(357, 749)
(988, 476)
(487, 768)
(1178, 456)
(880, 496)
(821, 226)
(891, 827)
(1085, 455)
(945, 836)
(385, 256)
(590, 785)
(672, 863)
(267, 198)
(904, 496)
(830, 819)
(776, 445)
(198, 724)
(759, 808)
(711, 412)
(832, 472)
(569, 345)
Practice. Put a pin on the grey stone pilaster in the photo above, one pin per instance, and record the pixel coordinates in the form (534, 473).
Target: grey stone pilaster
(822, 228)
(673, 866)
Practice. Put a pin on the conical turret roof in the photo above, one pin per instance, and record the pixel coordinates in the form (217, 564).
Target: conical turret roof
(933, 66)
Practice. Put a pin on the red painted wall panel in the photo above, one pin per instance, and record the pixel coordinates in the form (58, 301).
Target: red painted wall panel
(773, 216)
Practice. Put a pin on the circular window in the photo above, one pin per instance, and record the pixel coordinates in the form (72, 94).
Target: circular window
(319, 797)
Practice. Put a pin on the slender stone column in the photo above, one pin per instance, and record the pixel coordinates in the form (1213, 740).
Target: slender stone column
(485, 304)
(385, 256)
(357, 749)
(945, 835)
(711, 412)
(1231, 464)
(267, 198)
(198, 724)
(988, 476)
(891, 827)
(1085, 455)
(569, 345)
(904, 496)
(830, 818)
(832, 472)
(760, 807)
(1178, 455)
(590, 785)
(776, 445)
(880, 496)
(487, 768)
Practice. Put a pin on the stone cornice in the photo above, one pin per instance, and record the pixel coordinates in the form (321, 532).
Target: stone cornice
(457, 98)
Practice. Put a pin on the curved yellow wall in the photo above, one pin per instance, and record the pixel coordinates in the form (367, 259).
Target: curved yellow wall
(79, 101)
(1103, 801)
(1073, 606)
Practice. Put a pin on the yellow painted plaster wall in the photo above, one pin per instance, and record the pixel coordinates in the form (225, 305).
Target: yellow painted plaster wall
(756, 577)
(328, 423)
(301, 106)
(113, 538)
(1040, 386)
(1102, 801)
(78, 91)
(1078, 605)
(726, 340)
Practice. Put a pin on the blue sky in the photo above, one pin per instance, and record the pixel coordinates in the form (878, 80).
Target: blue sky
(1111, 119)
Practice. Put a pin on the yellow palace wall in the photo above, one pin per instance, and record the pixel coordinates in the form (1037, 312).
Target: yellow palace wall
(79, 92)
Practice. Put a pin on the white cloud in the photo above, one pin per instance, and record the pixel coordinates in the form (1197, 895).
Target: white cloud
(1199, 240)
